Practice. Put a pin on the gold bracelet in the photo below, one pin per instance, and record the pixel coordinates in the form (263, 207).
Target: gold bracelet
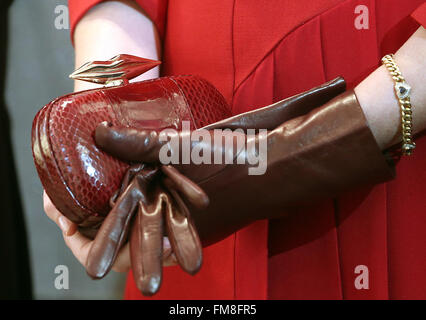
(402, 91)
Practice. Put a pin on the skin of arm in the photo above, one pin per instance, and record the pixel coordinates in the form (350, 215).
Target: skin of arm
(377, 98)
(115, 27)
(112, 28)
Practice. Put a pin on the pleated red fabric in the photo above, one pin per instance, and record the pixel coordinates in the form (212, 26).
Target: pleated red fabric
(258, 52)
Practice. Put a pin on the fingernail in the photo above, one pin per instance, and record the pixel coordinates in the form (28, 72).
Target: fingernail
(166, 244)
(64, 224)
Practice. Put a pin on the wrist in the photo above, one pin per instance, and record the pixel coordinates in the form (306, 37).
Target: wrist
(376, 94)
(377, 100)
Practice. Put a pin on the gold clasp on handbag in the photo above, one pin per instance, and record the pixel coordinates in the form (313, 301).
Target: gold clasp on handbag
(115, 71)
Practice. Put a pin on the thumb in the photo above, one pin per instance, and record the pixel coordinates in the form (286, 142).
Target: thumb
(129, 144)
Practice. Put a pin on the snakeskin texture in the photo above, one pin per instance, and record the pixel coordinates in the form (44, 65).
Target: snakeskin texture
(205, 102)
(78, 177)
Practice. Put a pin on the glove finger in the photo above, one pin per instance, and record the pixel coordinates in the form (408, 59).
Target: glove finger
(112, 233)
(128, 177)
(169, 258)
(182, 234)
(193, 193)
(272, 116)
(146, 247)
(129, 143)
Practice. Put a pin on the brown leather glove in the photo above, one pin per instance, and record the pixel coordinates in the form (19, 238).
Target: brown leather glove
(148, 206)
(315, 155)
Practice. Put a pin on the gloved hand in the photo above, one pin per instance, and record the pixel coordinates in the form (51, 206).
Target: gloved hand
(312, 156)
(152, 199)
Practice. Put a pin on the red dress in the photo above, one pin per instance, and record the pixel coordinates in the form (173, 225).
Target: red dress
(257, 52)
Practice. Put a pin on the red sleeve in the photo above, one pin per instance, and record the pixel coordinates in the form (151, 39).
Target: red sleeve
(420, 15)
(155, 9)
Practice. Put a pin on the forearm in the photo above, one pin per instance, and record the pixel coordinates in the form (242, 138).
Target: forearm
(112, 28)
(377, 98)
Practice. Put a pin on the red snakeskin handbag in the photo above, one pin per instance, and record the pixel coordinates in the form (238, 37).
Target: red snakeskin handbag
(78, 177)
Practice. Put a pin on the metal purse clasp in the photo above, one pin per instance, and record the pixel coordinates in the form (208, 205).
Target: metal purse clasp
(115, 71)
